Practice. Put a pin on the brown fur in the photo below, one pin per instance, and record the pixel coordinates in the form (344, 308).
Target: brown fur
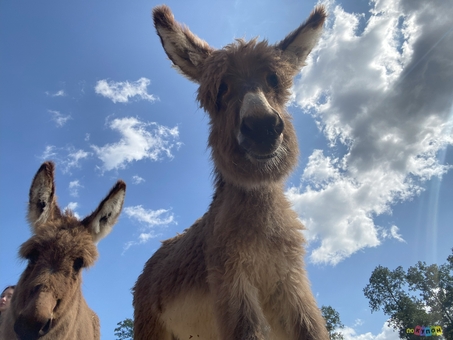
(48, 303)
(238, 272)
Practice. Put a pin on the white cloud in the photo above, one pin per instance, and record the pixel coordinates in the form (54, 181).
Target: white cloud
(122, 91)
(137, 179)
(387, 333)
(385, 95)
(148, 220)
(59, 118)
(74, 187)
(139, 141)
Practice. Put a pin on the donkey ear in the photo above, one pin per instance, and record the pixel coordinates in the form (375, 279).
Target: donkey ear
(185, 50)
(42, 201)
(102, 220)
(299, 43)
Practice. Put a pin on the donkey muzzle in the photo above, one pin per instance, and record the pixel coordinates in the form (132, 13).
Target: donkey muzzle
(261, 126)
(36, 319)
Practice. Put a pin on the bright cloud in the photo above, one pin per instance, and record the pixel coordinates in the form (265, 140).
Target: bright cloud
(148, 220)
(384, 94)
(59, 118)
(121, 91)
(139, 140)
(387, 333)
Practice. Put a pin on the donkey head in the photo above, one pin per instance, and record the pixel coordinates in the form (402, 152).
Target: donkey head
(60, 247)
(244, 87)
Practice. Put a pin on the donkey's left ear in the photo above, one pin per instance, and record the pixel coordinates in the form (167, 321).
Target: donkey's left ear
(102, 220)
(185, 49)
(298, 44)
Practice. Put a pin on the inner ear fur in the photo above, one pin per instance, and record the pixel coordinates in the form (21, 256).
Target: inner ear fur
(42, 200)
(298, 44)
(101, 221)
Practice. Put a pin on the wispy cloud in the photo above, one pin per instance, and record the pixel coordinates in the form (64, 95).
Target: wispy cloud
(122, 91)
(59, 118)
(384, 94)
(49, 153)
(137, 179)
(66, 158)
(72, 160)
(74, 187)
(392, 233)
(59, 93)
(139, 140)
(148, 220)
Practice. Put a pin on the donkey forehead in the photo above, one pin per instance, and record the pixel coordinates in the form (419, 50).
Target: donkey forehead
(245, 60)
(60, 243)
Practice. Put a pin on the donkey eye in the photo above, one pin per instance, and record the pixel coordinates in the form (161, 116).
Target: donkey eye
(32, 258)
(272, 80)
(223, 90)
(78, 264)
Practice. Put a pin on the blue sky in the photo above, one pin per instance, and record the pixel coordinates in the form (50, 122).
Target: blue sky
(87, 85)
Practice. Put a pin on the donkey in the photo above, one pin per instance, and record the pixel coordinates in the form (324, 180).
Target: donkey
(48, 303)
(238, 272)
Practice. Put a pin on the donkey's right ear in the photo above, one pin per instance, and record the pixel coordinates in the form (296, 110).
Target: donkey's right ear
(101, 221)
(42, 200)
(185, 49)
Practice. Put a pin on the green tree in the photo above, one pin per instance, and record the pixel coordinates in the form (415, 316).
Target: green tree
(421, 296)
(333, 322)
(125, 330)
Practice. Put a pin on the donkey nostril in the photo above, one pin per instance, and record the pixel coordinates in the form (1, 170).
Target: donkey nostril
(279, 127)
(57, 304)
(44, 330)
(245, 129)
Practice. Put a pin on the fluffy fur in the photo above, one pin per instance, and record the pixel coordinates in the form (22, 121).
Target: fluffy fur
(48, 303)
(238, 272)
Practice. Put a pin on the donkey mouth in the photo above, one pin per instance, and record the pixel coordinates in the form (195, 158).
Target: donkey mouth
(260, 157)
(261, 150)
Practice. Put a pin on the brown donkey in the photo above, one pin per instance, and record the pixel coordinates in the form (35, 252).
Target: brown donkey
(48, 303)
(238, 272)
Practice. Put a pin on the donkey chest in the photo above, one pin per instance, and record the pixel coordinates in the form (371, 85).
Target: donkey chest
(261, 251)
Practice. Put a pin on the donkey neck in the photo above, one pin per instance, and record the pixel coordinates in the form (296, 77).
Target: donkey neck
(265, 208)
